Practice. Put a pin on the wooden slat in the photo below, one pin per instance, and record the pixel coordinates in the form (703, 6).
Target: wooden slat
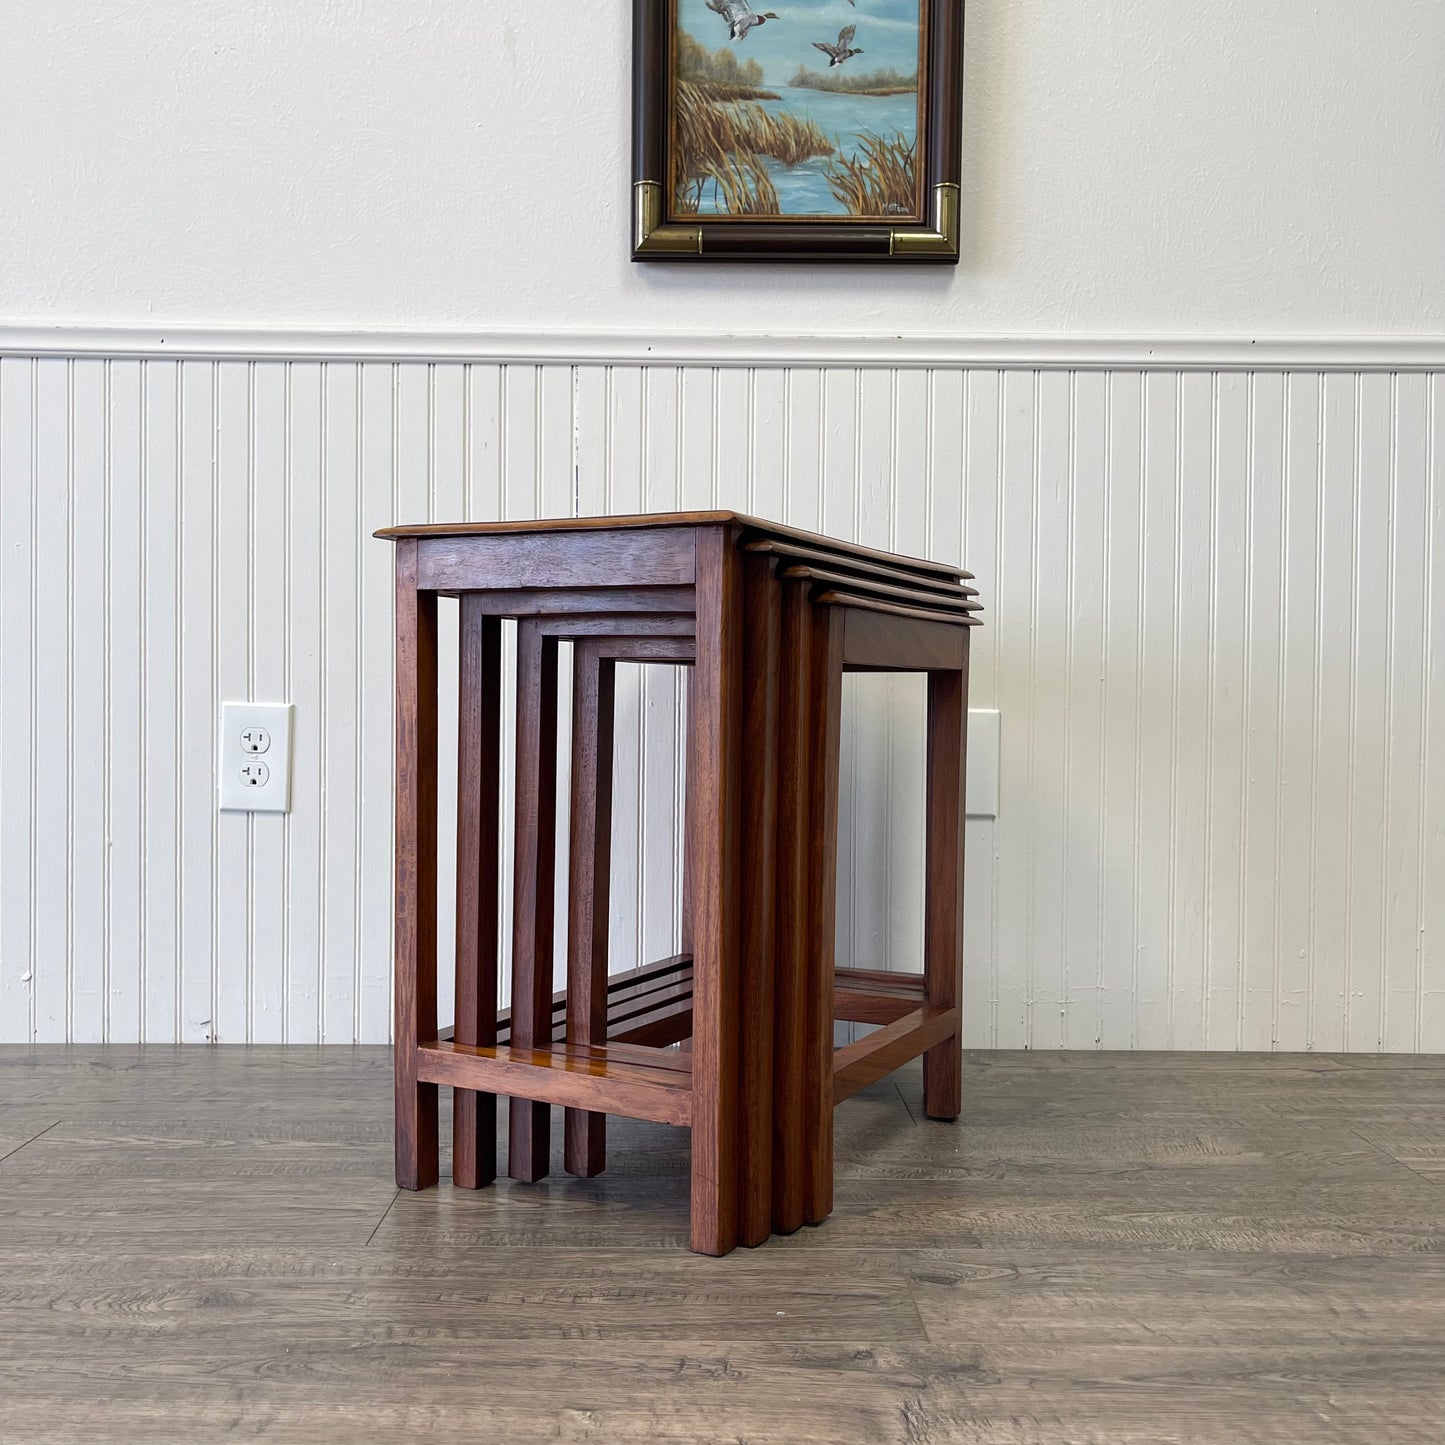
(669, 1023)
(561, 1076)
(618, 624)
(688, 797)
(790, 962)
(635, 521)
(866, 980)
(555, 602)
(629, 996)
(645, 1011)
(885, 642)
(943, 896)
(872, 1058)
(648, 649)
(615, 559)
(887, 591)
(588, 879)
(898, 574)
(658, 969)
(837, 598)
(532, 885)
(415, 993)
(712, 858)
(858, 1007)
(649, 520)
(658, 1010)
(855, 549)
(825, 687)
(863, 996)
(676, 1061)
(474, 1116)
(762, 620)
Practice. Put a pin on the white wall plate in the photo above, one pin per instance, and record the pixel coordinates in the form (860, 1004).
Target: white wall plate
(980, 784)
(253, 764)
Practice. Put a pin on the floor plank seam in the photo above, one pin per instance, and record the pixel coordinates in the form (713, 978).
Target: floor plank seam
(923, 1330)
(1429, 1179)
(382, 1220)
(31, 1140)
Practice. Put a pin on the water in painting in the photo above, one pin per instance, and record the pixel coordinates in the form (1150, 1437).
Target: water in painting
(807, 110)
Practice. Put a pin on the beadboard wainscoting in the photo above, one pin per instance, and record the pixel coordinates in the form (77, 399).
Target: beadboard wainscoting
(1215, 634)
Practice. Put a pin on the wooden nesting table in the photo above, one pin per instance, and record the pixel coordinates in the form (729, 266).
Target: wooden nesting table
(767, 619)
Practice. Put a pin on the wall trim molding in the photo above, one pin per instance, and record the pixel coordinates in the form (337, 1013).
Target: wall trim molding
(597, 348)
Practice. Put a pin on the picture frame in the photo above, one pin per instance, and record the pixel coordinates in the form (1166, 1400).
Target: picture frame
(739, 157)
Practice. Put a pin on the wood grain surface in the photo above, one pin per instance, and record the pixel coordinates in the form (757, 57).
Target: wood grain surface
(650, 520)
(479, 744)
(714, 772)
(533, 864)
(588, 882)
(414, 990)
(1105, 1249)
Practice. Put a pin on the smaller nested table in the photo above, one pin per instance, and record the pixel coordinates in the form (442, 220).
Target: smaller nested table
(767, 619)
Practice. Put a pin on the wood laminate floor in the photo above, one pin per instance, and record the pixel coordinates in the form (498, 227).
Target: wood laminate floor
(201, 1244)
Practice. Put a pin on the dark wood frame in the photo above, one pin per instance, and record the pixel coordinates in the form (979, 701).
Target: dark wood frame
(659, 236)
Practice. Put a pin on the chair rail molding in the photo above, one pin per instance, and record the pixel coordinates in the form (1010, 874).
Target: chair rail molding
(1081, 352)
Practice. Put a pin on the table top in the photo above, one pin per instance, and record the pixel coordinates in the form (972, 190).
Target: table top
(758, 525)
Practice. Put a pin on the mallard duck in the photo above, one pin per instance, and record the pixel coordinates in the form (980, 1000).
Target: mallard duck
(840, 52)
(740, 16)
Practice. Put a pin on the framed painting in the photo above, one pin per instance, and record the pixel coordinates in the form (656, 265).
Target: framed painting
(822, 130)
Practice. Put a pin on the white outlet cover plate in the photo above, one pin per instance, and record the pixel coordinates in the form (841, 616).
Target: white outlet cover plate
(237, 795)
(980, 784)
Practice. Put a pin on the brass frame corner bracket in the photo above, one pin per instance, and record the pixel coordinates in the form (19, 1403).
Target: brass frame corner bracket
(649, 236)
(941, 242)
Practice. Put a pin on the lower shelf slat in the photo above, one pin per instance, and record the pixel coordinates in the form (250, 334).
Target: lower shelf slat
(862, 996)
(651, 1007)
(573, 1078)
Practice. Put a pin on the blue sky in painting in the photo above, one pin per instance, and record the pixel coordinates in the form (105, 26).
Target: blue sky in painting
(887, 34)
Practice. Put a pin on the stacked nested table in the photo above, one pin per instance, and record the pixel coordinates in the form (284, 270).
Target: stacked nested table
(767, 619)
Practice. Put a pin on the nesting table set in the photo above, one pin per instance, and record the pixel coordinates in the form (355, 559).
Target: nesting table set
(767, 619)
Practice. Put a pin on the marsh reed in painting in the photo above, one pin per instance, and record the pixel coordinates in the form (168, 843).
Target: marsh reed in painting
(880, 182)
(720, 144)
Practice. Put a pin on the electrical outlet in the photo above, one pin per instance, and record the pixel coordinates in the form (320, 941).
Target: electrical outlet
(255, 739)
(254, 759)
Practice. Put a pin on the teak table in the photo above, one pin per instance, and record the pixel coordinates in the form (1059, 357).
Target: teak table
(768, 619)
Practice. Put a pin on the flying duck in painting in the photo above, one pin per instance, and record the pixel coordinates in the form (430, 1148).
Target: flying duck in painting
(840, 52)
(740, 16)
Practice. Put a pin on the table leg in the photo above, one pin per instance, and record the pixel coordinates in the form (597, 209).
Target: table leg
(474, 1115)
(762, 610)
(825, 666)
(415, 994)
(712, 844)
(943, 922)
(685, 941)
(790, 985)
(532, 885)
(588, 885)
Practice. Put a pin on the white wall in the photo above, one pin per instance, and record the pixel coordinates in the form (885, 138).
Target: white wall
(1143, 166)
(1213, 570)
